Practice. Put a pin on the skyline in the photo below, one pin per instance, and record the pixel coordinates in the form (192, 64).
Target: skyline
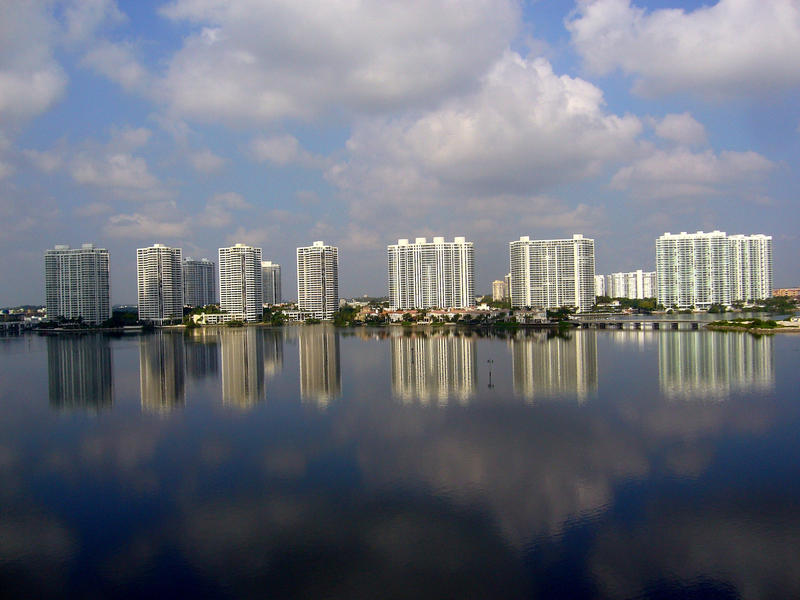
(199, 124)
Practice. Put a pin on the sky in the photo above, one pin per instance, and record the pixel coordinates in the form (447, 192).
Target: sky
(275, 123)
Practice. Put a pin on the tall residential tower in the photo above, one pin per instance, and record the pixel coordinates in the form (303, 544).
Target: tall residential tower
(76, 283)
(552, 273)
(159, 280)
(435, 274)
(240, 282)
(318, 280)
(199, 282)
(271, 282)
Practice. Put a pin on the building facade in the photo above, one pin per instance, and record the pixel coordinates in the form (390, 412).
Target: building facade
(435, 274)
(76, 283)
(705, 268)
(637, 284)
(159, 282)
(240, 282)
(552, 273)
(271, 282)
(199, 282)
(318, 280)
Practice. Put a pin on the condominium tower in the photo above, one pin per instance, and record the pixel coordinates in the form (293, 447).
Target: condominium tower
(240, 282)
(76, 283)
(705, 268)
(552, 273)
(637, 284)
(159, 277)
(199, 282)
(271, 282)
(435, 274)
(318, 280)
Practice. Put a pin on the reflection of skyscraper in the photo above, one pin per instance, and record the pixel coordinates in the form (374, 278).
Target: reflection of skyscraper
(161, 372)
(711, 365)
(273, 352)
(79, 372)
(202, 352)
(554, 366)
(242, 367)
(320, 378)
(435, 367)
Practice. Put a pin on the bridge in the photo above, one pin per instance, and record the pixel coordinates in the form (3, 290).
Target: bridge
(7, 327)
(606, 321)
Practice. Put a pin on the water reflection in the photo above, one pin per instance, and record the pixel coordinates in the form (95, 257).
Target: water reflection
(162, 367)
(242, 367)
(273, 352)
(202, 353)
(546, 365)
(79, 372)
(712, 365)
(433, 367)
(320, 375)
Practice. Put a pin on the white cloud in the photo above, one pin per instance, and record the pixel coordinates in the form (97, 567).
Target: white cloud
(283, 150)
(682, 173)
(46, 160)
(734, 47)
(83, 18)
(526, 129)
(5, 170)
(142, 226)
(205, 161)
(30, 79)
(119, 170)
(681, 129)
(257, 60)
(118, 62)
(220, 208)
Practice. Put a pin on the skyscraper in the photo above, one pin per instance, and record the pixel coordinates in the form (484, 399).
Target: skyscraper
(634, 284)
(76, 283)
(199, 282)
(240, 282)
(498, 290)
(271, 282)
(701, 269)
(159, 277)
(552, 273)
(750, 267)
(318, 280)
(435, 274)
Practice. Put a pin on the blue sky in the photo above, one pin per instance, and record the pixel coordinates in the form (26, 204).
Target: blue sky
(201, 123)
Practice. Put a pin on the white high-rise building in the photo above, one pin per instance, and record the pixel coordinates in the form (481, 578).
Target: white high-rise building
(750, 267)
(199, 282)
(552, 273)
(240, 282)
(599, 285)
(318, 280)
(76, 283)
(435, 274)
(633, 284)
(701, 269)
(271, 282)
(159, 279)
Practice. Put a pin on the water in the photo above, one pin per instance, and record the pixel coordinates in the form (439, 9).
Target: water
(314, 462)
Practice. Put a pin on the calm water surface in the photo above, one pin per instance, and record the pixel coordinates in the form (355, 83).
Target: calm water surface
(312, 462)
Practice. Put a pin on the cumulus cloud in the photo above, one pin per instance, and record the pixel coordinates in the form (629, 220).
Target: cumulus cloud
(681, 173)
(144, 226)
(30, 79)
(734, 47)
(114, 171)
(255, 60)
(283, 150)
(118, 62)
(82, 18)
(681, 129)
(205, 161)
(526, 129)
(220, 208)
